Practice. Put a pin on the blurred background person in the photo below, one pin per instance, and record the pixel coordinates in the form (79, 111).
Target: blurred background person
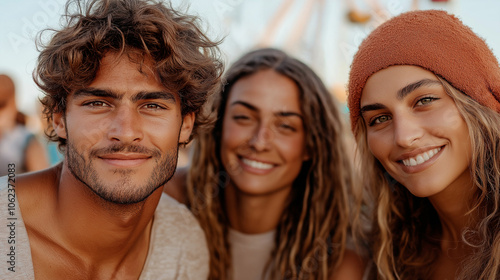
(271, 183)
(18, 144)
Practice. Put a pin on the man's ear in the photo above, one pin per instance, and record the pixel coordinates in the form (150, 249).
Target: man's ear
(59, 125)
(187, 127)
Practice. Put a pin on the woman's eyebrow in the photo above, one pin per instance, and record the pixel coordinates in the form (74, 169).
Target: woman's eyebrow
(289, 114)
(402, 93)
(245, 104)
(371, 107)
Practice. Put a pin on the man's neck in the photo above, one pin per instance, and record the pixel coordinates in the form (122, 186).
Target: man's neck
(83, 215)
(76, 224)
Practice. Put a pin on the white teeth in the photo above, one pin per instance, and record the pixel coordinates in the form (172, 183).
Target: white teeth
(421, 158)
(426, 157)
(257, 164)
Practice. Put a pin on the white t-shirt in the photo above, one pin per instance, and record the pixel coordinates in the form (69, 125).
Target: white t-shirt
(250, 254)
(177, 249)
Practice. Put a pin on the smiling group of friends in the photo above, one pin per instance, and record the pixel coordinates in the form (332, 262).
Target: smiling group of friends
(278, 187)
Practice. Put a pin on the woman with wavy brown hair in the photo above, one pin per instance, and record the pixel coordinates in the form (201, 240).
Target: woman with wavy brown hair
(424, 99)
(269, 185)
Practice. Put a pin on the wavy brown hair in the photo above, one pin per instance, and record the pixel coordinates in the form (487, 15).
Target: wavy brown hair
(312, 231)
(185, 60)
(406, 234)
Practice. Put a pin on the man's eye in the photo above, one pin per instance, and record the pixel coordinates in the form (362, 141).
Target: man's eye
(96, 104)
(154, 106)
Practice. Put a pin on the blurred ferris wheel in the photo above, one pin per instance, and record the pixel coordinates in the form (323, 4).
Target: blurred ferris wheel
(324, 34)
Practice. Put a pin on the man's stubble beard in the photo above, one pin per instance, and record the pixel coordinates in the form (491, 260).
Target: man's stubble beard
(122, 191)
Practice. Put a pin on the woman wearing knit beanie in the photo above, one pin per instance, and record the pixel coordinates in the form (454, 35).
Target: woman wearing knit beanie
(424, 99)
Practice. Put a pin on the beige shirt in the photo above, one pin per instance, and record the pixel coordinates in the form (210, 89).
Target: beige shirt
(177, 249)
(250, 254)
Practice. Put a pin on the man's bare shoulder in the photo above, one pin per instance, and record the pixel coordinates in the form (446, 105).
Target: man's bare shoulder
(33, 183)
(36, 190)
(43, 178)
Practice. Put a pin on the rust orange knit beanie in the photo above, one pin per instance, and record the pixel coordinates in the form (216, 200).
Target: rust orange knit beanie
(436, 41)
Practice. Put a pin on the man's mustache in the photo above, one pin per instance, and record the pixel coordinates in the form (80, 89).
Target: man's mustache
(118, 148)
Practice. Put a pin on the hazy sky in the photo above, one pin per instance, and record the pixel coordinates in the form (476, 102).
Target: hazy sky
(241, 22)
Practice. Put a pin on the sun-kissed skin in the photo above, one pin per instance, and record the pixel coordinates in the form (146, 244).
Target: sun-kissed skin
(409, 115)
(276, 166)
(263, 147)
(87, 236)
(263, 124)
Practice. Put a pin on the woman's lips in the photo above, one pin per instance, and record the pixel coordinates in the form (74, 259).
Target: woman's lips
(420, 161)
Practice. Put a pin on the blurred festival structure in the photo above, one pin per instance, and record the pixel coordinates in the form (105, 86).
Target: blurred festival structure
(325, 34)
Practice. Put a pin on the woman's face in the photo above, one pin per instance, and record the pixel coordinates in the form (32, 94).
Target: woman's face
(415, 130)
(263, 138)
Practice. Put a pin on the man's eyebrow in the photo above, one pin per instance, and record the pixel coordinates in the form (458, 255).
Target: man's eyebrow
(413, 86)
(136, 97)
(167, 96)
(96, 92)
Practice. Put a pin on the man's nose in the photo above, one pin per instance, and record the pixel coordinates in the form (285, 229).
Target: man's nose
(125, 125)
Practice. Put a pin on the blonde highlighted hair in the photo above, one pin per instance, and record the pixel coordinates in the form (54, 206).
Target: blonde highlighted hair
(406, 230)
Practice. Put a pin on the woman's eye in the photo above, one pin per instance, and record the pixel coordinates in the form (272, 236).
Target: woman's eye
(425, 100)
(240, 118)
(380, 119)
(286, 127)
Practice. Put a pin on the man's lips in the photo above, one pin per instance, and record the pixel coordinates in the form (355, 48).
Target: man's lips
(125, 159)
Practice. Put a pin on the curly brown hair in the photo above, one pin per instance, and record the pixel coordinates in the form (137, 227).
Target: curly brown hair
(185, 60)
(311, 234)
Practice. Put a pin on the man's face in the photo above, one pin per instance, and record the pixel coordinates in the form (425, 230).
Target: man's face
(123, 131)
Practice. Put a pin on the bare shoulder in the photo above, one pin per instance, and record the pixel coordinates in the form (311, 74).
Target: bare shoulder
(40, 179)
(36, 157)
(35, 190)
(176, 186)
(351, 267)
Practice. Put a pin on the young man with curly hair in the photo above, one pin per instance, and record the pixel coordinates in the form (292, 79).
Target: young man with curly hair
(124, 81)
